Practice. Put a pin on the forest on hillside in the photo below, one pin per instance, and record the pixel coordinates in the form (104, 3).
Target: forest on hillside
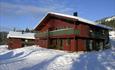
(109, 21)
(3, 38)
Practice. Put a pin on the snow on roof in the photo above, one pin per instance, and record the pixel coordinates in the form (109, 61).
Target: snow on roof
(13, 34)
(111, 18)
(81, 19)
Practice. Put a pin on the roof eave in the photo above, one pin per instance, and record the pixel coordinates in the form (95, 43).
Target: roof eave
(75, 18)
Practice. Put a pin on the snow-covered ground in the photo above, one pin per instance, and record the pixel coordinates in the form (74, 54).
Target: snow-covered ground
(37, 58)
(112, 39)
(3, 48)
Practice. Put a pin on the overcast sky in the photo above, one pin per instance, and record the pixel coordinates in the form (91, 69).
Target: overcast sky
(23, 14)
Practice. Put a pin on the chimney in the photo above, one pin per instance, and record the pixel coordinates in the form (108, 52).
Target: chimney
(75, 14)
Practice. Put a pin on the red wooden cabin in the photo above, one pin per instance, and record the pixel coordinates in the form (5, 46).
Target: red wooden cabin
(19, 39)
(71, 33)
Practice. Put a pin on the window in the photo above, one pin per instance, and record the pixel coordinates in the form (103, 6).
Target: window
(89, 45)
(101, 45)
(55, 42)
(68, 42)
(59, 44)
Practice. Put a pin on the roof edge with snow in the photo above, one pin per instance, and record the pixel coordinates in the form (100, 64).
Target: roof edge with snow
(77, 18)
(13, 34)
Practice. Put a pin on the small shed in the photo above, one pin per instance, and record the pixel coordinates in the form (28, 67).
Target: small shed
(20, 39)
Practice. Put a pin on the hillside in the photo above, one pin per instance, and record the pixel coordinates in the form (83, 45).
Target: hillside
(109, 21)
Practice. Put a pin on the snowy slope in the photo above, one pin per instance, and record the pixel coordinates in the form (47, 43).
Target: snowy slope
(111, 18)
(37, 58)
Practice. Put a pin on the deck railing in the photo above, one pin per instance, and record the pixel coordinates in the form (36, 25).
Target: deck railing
(98, 35)
(67, 31)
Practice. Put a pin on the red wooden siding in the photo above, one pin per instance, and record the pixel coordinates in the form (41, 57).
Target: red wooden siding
(42, 43)
(14, 43)
(61, 24)
(56, 23)
(84, 30)
(73, 45)
(81, 45)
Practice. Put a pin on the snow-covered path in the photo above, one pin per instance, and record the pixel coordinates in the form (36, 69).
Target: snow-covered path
(30, 58)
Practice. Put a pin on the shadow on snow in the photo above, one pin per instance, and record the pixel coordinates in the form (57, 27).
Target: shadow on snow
(42, 65)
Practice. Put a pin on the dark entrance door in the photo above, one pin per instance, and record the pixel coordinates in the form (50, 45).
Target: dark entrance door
(89, 45)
